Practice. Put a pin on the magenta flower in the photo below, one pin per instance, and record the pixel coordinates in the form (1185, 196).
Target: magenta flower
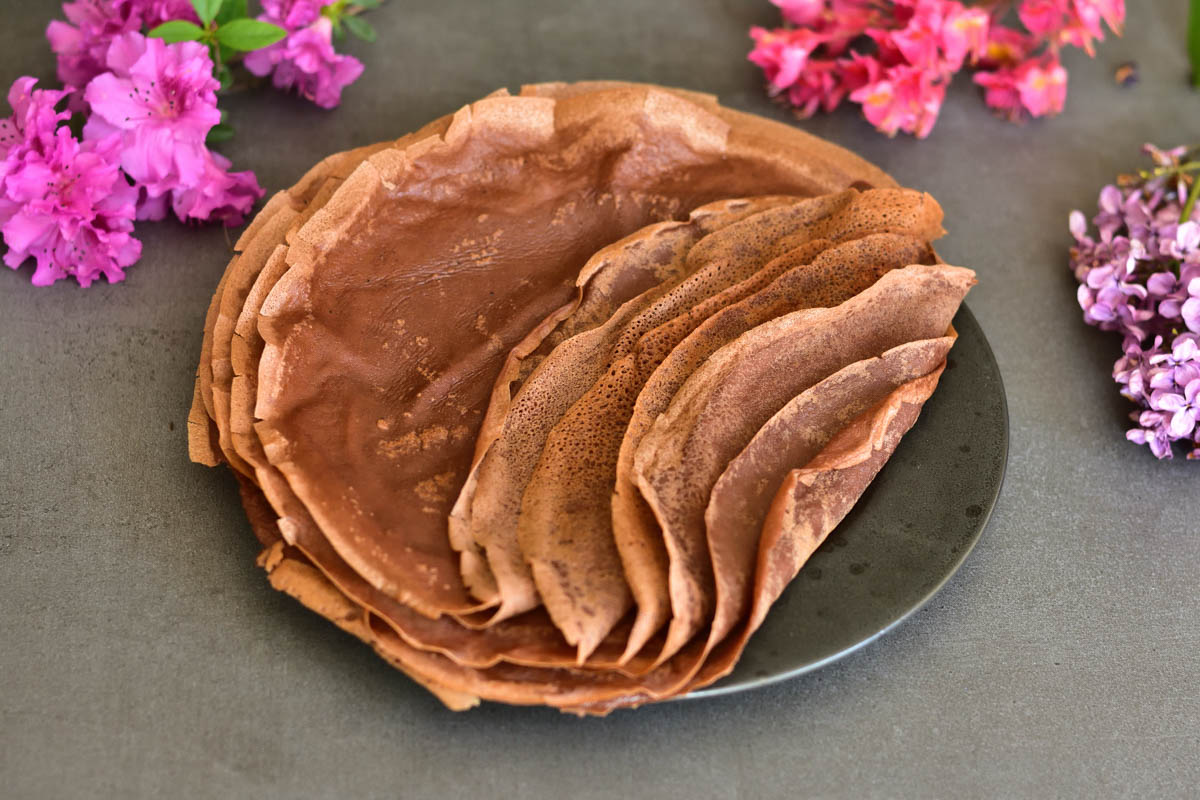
(1042, 85)
(220, 195)
(81, 43)
(63, 203)
(1006, 47)
(292, 14)
(1043, 17)
(306, 61)
(161, 100)
(964, 35)
(34, 119)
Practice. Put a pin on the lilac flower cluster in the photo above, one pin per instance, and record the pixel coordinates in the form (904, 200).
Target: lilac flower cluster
(1141, 278)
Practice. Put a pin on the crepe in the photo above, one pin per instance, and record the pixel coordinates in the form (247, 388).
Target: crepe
(614, 286)
(736, 391)
(373, 381)
(309, 388)
(566, 529)
(831, 278)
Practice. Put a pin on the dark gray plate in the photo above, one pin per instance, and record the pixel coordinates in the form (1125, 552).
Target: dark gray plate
(910, 532)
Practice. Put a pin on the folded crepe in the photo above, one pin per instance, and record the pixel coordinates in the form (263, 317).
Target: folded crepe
(566, 525)
(613, 287)
(390, 325)
(831, 278)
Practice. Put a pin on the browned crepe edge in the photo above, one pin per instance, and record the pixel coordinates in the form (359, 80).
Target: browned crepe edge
(844, 468)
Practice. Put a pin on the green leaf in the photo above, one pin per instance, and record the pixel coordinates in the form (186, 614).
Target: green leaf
(360, 28)
(207, 10)
(367, 3)
(177, 30)
(220, 133)
(1194, 41)
(249, 34)
(231, 10)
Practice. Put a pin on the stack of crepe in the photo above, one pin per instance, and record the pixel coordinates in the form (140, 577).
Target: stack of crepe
(550, 400)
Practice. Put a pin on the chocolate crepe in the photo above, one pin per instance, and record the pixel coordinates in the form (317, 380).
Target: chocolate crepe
(614, 286)
(833, 277)
(523, 659)
(387, 332)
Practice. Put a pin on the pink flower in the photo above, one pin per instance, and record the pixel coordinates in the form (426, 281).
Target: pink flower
(919, 41)
(818, 87)
(34, 118)
(964, 33)
(62, 202)
(306, 60)
(1005, 47)
(156, 12)
(907, 99)
(82, 43)
(1042, 85)
(162, 99)
(1038, 86)
(801, 12)
(220, 195)
(783, 54)
(1000, 91)
(1043, 17)
(292, 14)
(1112, 11)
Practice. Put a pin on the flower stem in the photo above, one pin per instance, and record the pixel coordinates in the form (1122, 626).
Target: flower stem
(1191, 201)
(1194, 40)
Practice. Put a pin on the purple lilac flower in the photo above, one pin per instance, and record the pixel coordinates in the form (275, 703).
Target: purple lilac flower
(1141, 279)
(63, 202)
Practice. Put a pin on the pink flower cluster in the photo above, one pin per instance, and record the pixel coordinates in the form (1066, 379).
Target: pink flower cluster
(81, 43)
(305, 60)
(69, 203)
(63, 202)
(915, 47)
(160, 100)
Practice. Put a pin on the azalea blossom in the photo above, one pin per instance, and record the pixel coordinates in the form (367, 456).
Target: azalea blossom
(292, 14)
(81, 43)
(307, 62)
(160, 99)
(219, 196)
(63, 203)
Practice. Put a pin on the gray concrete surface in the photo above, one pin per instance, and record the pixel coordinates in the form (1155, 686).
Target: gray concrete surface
(143, 655)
